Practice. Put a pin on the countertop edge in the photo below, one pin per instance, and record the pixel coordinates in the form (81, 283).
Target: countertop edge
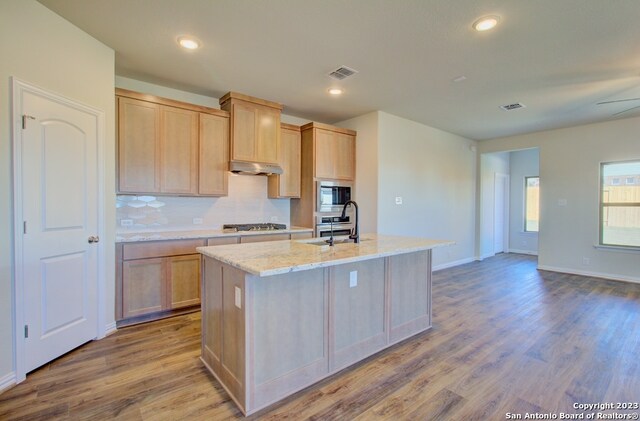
(136, 237)
(321, 264)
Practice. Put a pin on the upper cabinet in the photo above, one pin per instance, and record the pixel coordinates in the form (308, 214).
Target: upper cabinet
(334, 151)
(255, 128)
(287, 184)
(170, 147)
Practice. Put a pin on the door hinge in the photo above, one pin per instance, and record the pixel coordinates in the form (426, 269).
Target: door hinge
(24, 120)
(26, 331)
(24, 227)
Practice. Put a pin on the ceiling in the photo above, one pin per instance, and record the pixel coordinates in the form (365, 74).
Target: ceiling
(558, 58)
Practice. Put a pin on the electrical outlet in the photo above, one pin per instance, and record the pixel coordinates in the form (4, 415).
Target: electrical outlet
(398, 200)
(353, 279)
(238, 297)
(126, 222)
(197, 221)
(274, 219)
(586, 261)
(562, 202)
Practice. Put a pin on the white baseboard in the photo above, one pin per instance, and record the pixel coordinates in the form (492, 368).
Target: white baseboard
(452, 264)
(7, 381)
(486, 256)
(610, 276)
(110, 328)
(529, 252)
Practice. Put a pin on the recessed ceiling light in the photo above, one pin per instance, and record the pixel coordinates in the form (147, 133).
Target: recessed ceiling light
(336, 91)
(485, 23)
(189, 43)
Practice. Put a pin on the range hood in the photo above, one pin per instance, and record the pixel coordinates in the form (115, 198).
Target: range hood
(254, 168)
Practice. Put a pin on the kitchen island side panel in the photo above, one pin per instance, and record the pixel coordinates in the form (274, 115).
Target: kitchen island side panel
(287, 334)
(410, 294)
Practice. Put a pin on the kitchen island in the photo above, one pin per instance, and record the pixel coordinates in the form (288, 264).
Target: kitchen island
(280, 316)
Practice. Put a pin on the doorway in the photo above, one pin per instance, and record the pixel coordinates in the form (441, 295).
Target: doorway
(57, 148)
(501, 214)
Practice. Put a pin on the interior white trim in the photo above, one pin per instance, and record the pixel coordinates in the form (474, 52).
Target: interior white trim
(453, 264)
(110, 328)
(7, 381)
(18, 88)
(618, 249)
(532, 253)
(609, 276)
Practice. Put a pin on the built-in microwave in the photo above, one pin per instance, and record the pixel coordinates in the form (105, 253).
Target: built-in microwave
(332, 195)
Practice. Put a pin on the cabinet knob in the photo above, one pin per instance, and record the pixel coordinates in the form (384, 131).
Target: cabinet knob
(93, 239)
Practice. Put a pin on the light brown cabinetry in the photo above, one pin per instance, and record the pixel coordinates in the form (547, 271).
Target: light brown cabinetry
(255, 128)
(170, 147)
(328, 153)
(333, 151)
(214, 155)
(287, 184)
(157, 276)
(265, 338)
(153, 278)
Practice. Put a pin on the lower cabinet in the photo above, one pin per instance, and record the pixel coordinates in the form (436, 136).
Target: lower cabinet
(155, 277)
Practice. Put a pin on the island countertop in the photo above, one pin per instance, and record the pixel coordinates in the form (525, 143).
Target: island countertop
(278, 257)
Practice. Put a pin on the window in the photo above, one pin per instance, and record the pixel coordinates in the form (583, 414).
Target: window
(531, 203)
(620, 204)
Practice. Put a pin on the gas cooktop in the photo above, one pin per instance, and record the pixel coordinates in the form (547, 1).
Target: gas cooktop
(253, 227)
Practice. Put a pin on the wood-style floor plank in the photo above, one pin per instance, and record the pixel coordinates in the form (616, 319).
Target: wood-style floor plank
(506, 338)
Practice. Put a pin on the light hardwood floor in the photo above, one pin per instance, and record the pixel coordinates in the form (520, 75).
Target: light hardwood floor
(506, 338)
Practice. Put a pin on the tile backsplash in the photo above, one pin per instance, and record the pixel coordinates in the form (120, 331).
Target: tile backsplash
(247, 202)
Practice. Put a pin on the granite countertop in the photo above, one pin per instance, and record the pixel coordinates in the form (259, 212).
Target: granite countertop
(127, 237)
(277, 257)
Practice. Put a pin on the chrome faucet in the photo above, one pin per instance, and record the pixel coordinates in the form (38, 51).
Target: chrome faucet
(355, 233)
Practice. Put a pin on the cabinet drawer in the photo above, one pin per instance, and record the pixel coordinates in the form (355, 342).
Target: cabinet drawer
(301, 235)
(266, 237)
(219, 241)
(145, 250)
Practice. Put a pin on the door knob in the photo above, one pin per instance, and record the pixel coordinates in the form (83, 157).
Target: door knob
(93, 239)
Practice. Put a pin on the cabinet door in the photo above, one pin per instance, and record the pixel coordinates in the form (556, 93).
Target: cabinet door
(324, 154)
(243, 132)
(267, 135)
(138, 149)
(179, 151)
(143, 287)
(287, 184)
(214, 155)
(345, 156)
(183, 281)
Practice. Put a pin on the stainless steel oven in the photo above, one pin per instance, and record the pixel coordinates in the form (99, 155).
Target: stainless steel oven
(341, 226)
(332, 195)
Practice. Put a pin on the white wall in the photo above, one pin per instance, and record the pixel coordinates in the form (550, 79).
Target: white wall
(522, 164)
(569, 169)
(39, 47)
(366, 188)
(490, 165)
(435, 174)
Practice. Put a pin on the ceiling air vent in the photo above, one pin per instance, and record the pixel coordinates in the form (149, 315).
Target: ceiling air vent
(342, 72)
(511, 107)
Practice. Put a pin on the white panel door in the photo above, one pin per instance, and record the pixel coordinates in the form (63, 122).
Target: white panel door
(60, 213)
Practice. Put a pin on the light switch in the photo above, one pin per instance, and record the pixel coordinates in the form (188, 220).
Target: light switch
(353, 279)
(562, 202)
(238, 297)
(398, 200)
